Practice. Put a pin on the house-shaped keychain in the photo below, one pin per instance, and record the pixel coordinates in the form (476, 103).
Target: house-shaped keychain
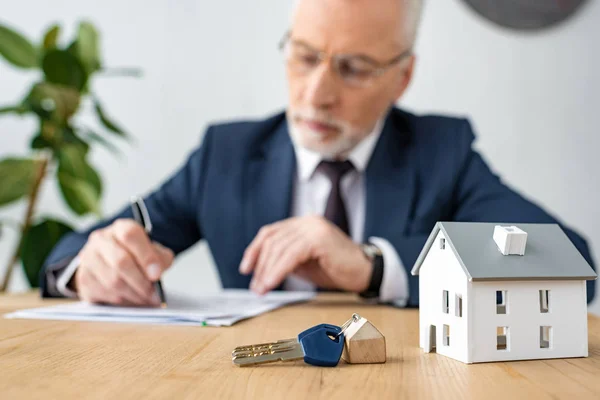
(490, 292)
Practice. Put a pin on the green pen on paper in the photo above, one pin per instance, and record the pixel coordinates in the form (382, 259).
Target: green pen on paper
(141, 216)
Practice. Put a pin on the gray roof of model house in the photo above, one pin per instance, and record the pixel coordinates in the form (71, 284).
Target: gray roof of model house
(549, 253)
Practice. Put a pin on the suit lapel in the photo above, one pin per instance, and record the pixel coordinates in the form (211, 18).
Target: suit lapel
(390, 181)
(269, 182)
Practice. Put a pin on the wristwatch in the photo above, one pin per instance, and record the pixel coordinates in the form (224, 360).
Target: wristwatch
(374, 254)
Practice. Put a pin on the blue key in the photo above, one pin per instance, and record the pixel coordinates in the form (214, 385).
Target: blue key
(321, 345)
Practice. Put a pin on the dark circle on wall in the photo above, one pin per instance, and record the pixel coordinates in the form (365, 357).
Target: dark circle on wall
(526, 14)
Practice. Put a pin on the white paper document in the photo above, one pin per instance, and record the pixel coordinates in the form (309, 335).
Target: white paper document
(222, 309)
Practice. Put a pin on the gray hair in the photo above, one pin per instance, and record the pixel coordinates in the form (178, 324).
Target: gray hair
(414, 10)
(414, 13)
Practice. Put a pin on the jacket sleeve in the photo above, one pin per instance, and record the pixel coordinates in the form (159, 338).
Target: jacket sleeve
(172, 208)
(480, 196)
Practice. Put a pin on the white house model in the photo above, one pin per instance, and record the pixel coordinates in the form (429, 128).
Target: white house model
(491, 292)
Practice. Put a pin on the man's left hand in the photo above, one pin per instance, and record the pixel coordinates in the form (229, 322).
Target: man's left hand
(310, 247)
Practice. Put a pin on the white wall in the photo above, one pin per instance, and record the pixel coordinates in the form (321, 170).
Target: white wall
(533, 98)
(567, 318)
(441, 271)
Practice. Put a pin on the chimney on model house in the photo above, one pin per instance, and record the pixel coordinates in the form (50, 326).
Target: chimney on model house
(510, 240)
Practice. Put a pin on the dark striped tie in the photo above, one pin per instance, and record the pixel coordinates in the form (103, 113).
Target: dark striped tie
(336, 210)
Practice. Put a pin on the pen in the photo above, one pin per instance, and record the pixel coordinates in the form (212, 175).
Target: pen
(141, 216)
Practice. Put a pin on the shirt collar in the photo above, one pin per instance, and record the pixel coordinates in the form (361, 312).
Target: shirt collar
(308, 160)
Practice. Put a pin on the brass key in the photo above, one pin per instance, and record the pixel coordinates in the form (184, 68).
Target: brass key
(295, 349)
(281, 350)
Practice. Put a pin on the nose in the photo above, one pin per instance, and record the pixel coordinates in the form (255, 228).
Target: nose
(321, 91)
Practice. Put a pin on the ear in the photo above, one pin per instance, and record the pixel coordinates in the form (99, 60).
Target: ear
(405, 78)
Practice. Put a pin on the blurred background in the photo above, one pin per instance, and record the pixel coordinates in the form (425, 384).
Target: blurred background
(532, 97)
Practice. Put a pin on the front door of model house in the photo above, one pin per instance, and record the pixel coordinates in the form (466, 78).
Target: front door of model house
(430, 339)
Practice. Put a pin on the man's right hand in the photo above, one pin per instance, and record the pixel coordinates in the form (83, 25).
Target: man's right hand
(118, 265)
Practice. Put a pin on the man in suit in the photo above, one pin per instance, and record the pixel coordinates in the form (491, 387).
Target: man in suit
(339, 192)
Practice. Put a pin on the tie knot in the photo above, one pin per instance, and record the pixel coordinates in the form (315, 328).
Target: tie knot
(335, 170)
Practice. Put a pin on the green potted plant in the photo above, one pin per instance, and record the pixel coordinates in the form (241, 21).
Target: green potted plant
(59, 148)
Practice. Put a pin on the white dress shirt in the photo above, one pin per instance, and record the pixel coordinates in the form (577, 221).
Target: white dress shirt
(311, 191)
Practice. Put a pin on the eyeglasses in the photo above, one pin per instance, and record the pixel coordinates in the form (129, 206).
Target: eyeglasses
(354, 70)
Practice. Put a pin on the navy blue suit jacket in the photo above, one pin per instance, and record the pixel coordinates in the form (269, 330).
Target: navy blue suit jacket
(423, 170)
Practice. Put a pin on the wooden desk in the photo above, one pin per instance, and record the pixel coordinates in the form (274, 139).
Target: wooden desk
(64, 360)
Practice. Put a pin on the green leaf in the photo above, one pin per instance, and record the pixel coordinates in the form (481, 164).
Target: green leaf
(17, 176)
(79, 182)
(71, 137)
(39, 142)
(51, 37)
(16, 49)
(93, 136)
(53, 101)
(62, 67)
(38, 242)
(63, 136)
(79, 195)
(72, 161)
(88, 48)
(108, 124)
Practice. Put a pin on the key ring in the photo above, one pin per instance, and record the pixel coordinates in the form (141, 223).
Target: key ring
(355, 318)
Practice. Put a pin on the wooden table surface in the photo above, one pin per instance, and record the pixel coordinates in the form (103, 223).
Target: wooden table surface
(64, 360)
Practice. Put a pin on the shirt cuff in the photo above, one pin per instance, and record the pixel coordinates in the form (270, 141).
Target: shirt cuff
(64, 278)
(394, 285)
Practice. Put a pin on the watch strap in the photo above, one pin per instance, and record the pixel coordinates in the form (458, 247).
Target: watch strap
(376, 257)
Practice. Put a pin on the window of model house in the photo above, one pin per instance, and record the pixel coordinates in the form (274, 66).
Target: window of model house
(446, 335)
(502, 338)
(501, 301)
(545, 337)
(445, 302)
(458, 305)
(544, 301)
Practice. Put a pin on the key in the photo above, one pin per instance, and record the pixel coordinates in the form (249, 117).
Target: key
(321, 345)
(258, 347)
(263, 346)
